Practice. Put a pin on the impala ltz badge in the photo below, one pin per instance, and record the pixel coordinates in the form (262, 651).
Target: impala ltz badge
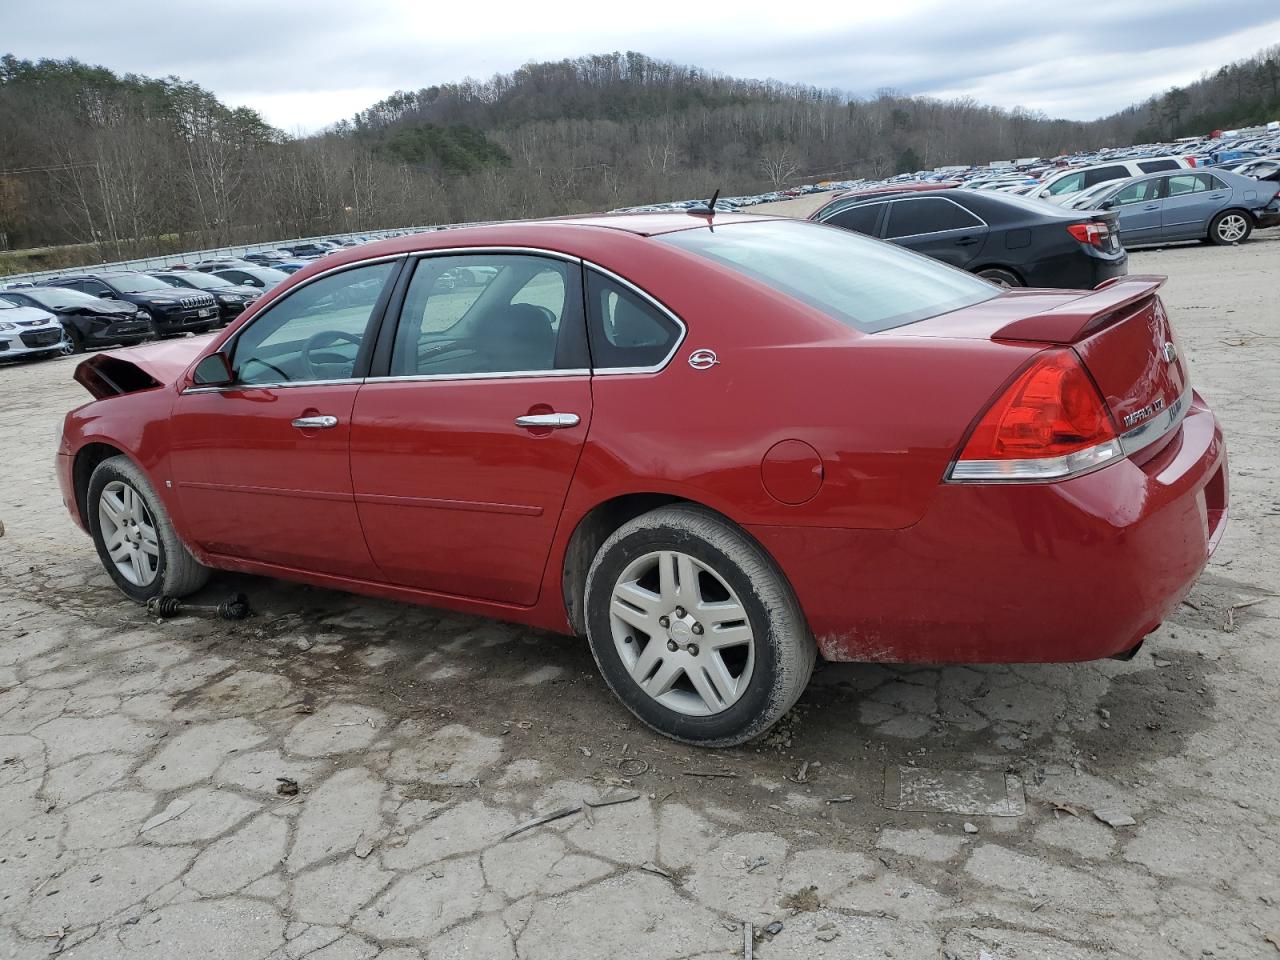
(1170, 352)
(1150, 410)
(703, 359)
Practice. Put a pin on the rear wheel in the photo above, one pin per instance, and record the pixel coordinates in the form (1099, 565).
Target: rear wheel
(1005, 278)
(694, 629)
(72, 342)
(1230, 226)
(135, 539)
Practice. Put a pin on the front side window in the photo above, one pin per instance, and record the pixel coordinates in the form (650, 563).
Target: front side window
(490, 314)
(863, 283)
(315, 332)
(909, 218)
(1068, 184)
(861, 218)
(627, 331)
(1140, 192)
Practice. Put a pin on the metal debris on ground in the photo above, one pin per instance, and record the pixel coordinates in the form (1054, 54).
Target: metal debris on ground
(802, 775)
(235, 607)
(843, 798)
(748, 940)
(1064, 808)
(725, 774)
(634, 766)
(613, 799)
(546, 818)
(286, 786)
(774, 928)
(657, 871)
(1115, 818)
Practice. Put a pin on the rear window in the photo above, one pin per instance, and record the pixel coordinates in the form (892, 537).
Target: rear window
(1155, 166)
(866, 284)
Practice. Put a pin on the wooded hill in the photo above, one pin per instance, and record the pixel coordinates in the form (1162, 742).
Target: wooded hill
(131, 165)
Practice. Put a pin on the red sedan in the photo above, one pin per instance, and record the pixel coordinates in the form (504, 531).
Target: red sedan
(716, 447)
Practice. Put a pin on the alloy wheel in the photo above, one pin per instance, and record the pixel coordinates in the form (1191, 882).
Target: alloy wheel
(129, 533)
(682, 633)
(1232, 228)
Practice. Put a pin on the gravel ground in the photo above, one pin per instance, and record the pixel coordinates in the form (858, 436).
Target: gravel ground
(139, 760)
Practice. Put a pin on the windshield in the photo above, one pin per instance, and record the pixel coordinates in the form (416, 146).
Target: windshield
(266, 274)
(135, 282)
(866, 284)
(6, 304)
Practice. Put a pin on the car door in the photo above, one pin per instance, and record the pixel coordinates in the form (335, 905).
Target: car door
(1190, 203)
(1139, 205)
(462, 452)
(936, 227)
(262, 465)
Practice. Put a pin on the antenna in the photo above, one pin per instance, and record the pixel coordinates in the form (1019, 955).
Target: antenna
(711, 206)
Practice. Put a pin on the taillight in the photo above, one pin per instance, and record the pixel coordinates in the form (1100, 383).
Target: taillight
(1049, 424)
(1093, 233)
(1191, 161)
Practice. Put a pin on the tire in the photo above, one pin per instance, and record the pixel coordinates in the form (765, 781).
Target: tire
(1005, 278)
(73, 337)
(1230, 226)
(762, 675)
(171, 571)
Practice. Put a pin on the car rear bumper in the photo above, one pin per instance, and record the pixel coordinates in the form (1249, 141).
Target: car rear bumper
(1075, 570)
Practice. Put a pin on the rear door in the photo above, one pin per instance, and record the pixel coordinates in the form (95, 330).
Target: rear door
(936, 227)
(1190, 203)
(463, 447)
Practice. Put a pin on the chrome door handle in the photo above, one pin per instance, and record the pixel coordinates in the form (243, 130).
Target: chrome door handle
(556, 421)
(316, 423)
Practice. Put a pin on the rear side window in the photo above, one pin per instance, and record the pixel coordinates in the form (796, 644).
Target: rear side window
(625, 329)
(1103, 174)
(862, 283)
(1187, 183)
(908, 218)
(1155, 166)
(860, 218)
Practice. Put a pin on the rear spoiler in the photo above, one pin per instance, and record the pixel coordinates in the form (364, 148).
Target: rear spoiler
(1071, 321)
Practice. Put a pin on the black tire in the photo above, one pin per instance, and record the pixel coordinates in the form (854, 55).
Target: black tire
(178, 573)
(782, 648)
(75, 338)
(1005, 278)
(1220, 224)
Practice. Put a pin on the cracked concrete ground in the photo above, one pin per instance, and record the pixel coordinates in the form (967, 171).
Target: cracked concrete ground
(139, 760)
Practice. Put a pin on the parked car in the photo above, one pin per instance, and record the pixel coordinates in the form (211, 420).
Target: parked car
(311, 250)
(1006, 239)
(266, 258)
(1216, 206)
(590, 443)
(1061, 186)
(172, 313)
(27, 332)
(290, 266)
(224, 263)
(231, 298)
(257, 278)
(87, 321)
(897, 188)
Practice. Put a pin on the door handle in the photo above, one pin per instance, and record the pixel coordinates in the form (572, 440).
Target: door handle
(554, 421)
(1152, 206)
(316, 423)
(966, 241)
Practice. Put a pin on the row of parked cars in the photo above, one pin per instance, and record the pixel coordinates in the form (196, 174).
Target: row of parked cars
(76, 311)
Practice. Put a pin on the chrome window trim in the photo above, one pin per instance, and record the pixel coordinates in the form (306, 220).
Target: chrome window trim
(279, 385)
(499, 375)
(1157, 426)
(927, 233)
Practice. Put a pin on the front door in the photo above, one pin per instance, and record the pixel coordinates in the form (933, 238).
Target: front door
(263, 465)
(462, 454)
(936, 227)
(1139, 205)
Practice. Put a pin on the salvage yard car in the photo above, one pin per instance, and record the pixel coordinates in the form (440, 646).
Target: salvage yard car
(87, 321)
(172, 312)
(716, 446)
(28, 332)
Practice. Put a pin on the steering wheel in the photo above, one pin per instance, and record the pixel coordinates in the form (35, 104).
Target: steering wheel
(323, 339)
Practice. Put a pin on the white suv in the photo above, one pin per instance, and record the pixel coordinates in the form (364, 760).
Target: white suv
(1061, 187)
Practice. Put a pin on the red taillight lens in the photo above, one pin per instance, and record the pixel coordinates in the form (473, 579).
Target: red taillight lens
(1191, 161)
(1094, 234)
(1050, 423)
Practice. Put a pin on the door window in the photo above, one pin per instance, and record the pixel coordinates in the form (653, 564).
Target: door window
(1140, 192)
(490, 314)
(1187, 183)
(1068, 184)
(860, 218)
(315, 332)
(1155, 166)
(1102, 175)
(627, 331)
(908, 218)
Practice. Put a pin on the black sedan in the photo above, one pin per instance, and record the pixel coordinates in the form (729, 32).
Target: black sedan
(231, 298)
(173, 312)
(88, 321)
(1010, 240)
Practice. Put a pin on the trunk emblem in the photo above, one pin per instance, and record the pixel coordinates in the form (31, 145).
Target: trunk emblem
(1150, 410)
(1170, 352)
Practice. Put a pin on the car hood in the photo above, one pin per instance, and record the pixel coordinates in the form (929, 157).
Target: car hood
(26, 315)
(138, 368)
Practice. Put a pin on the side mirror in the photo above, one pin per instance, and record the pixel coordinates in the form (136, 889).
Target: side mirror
(213, 371)
(107, 295)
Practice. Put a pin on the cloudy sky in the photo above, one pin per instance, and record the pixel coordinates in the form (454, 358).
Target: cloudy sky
(307, 63)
